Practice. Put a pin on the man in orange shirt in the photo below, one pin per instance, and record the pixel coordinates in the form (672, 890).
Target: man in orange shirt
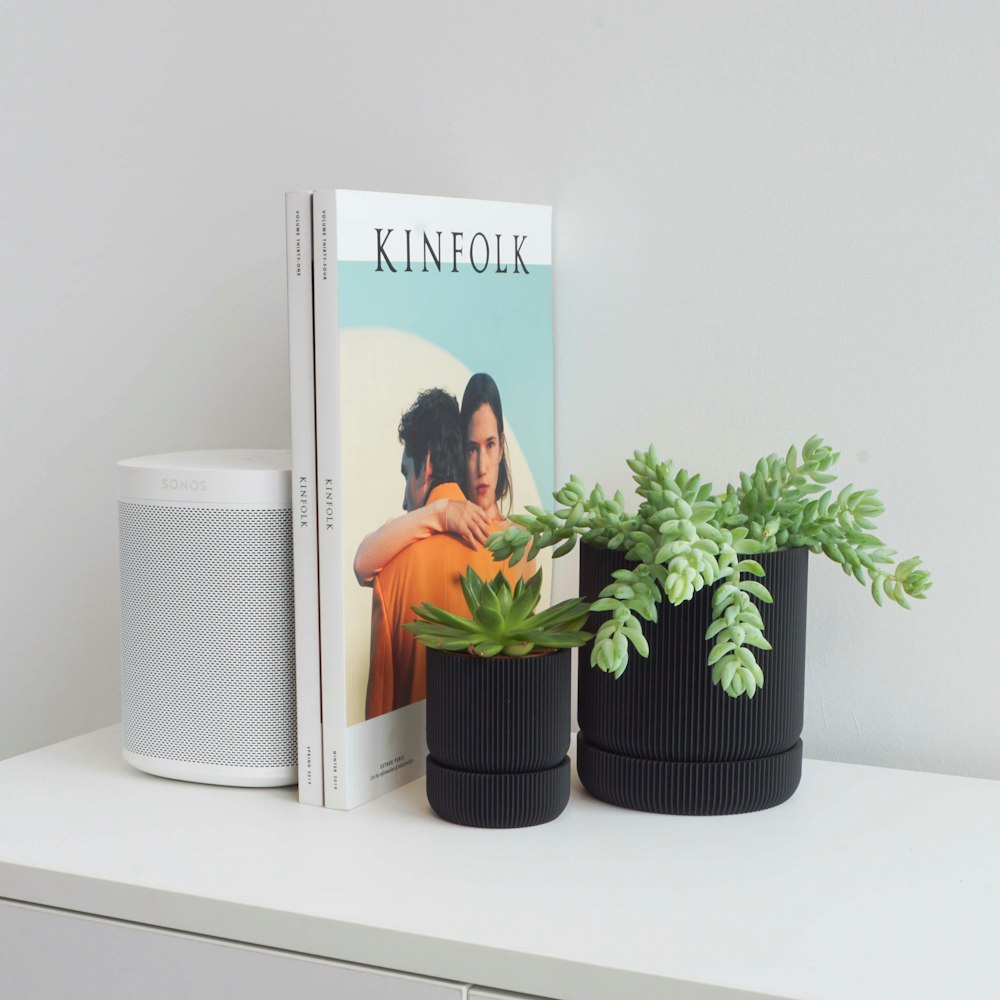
(429, 568)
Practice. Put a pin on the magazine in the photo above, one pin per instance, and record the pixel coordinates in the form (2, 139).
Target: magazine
(434, 421)
(298, 231)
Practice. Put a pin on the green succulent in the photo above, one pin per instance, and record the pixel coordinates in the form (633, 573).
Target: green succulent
(502, 621)
(684, 537)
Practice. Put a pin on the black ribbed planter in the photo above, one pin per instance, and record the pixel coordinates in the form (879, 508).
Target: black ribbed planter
(497, 738)
(662, 738)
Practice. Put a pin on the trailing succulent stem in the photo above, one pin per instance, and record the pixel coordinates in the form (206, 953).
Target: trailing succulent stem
(502, 622)
(684, 537)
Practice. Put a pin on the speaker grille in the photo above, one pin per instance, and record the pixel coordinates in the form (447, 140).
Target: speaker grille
(208, 635)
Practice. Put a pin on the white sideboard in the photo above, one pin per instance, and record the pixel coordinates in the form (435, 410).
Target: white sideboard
(869, 882)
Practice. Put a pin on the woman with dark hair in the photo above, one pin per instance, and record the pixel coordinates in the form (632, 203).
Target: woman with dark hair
(487, 483)
(487, 480)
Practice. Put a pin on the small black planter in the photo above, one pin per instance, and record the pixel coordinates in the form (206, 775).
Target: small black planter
(497, 737)
(662, 738)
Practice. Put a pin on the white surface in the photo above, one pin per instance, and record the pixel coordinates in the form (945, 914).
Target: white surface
(773, 219)
(868, 883)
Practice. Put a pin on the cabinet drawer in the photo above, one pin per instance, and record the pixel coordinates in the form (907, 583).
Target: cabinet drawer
(47, 954)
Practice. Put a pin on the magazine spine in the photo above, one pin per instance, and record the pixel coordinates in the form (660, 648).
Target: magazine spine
(298, 223)
(328, 482)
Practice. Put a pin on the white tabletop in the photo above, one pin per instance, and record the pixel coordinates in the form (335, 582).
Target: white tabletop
(869, 882)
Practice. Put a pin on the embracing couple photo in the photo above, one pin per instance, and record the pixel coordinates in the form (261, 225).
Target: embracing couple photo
(458, 489)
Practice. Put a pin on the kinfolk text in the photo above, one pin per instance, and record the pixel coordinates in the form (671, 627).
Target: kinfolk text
(423, 252)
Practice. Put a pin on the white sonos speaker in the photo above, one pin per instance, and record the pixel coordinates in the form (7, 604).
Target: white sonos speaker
(207, 616)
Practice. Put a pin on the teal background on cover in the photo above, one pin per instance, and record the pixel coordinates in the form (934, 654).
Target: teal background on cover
(495, 323)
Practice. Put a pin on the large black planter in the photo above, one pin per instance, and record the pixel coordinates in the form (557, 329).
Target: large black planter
(662, 738)
(497, 738)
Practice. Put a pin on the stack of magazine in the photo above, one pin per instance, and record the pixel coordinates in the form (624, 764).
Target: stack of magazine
(421, 356)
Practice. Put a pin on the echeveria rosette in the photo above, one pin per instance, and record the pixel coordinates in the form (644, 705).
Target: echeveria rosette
(683, 538)
(502, 622)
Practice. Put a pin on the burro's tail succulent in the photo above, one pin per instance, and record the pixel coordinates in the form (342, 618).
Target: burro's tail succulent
(502, 621)
(684, 537)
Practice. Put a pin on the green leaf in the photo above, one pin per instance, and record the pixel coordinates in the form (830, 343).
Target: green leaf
(506, 599)
(719, 651)
(450, 645)
(749, 547)
(490, 619)
(522, 605)
(564, 611)
(488, 648)
(757, 589)
(558, 640)
(715, 628)
(604, 604)
(469, 591)
(754, 637)
(489, 599)
(736, 685)
(833, 552)
(730, 666)
(565, 548)
(425, 629)
(440, 616)
(518, 648)
(603, 656)
(634, 635)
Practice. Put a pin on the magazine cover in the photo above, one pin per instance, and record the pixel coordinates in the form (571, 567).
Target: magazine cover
(298, 234)
(434, 404)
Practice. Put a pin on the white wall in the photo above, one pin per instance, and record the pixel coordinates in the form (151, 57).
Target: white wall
(771, 220)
